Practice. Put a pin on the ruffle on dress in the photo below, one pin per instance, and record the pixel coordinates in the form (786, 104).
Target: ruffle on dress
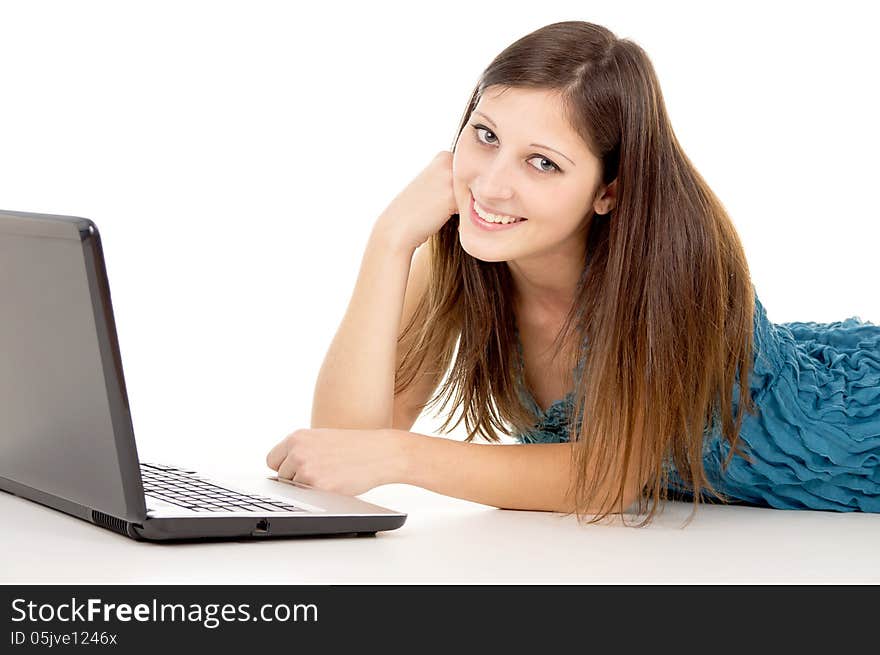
(552, 425)
(815, 441)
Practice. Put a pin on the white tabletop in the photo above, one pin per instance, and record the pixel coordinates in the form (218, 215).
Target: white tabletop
(450, 541)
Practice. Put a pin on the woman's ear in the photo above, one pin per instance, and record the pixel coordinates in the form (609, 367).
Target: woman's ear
(606, 198)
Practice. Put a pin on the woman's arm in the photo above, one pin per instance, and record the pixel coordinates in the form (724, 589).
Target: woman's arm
(352, 461)
(508, 476)
(356, 383)
(355, 386)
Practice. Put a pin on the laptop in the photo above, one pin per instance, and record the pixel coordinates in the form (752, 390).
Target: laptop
(66, 436)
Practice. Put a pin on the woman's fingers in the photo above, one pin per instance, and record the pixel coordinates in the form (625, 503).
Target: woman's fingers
(287, 469)
(277, 455)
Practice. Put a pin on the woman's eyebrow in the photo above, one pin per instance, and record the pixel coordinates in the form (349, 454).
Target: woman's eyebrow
(537, 145)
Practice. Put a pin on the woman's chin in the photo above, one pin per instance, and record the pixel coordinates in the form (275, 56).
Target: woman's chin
(480, 250)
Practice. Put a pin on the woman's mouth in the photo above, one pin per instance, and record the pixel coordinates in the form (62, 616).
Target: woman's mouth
(489, 225)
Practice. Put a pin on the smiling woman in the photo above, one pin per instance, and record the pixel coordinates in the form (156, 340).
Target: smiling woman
(582, 289)
(625, 297)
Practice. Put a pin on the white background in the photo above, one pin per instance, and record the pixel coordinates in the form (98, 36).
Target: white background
(234, 156)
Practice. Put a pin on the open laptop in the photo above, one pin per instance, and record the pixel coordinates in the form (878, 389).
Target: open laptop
(66, 436)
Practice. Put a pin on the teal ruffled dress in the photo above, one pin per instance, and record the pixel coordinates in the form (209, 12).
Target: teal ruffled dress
(815, 441)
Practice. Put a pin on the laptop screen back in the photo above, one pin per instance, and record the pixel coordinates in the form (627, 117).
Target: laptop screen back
(57, 405)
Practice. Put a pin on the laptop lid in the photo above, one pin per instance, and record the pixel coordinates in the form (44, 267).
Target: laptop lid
(65, 424)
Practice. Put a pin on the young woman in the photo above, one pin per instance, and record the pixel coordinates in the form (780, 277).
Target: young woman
(566, 260)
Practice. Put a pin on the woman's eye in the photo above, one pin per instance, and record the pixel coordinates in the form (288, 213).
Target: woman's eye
(478, 129)
(553, 166)
(481, 128)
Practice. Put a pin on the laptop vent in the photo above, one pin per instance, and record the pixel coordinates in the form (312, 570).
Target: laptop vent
(109, 522)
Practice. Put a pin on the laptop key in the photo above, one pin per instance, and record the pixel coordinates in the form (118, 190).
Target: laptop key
(182, 488)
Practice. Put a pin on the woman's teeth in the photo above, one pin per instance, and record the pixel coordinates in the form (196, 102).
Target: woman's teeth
(493, 218)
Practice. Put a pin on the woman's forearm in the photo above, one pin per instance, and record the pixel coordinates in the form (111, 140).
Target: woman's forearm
(355, 386)
(508, 476)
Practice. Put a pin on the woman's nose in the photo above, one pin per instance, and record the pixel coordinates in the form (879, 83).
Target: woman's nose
(495, 181)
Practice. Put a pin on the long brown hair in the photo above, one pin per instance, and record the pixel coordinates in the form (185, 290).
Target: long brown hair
(665, 302)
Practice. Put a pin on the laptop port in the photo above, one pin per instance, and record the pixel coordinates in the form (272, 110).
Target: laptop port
(262, 527)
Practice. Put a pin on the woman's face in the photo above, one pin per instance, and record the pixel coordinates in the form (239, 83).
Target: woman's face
(518, 157)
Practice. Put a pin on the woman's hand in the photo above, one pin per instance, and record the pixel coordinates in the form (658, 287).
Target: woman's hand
(424, 206)
(344, 461)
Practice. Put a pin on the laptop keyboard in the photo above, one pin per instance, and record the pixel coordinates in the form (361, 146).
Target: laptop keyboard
(185, 489)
